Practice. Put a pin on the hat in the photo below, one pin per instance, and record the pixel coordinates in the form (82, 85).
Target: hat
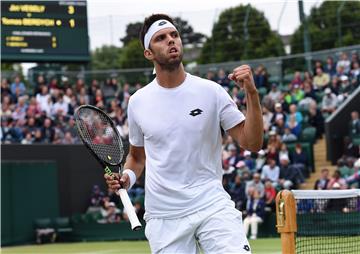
(277, 105)
(296, 85)
(327, 91)
(336, 186)
(272, 132)
(274, 85)
(357, 163)
(247, 153)
(261, 152)
(240, 164)
(284, 157)
(232, 147)
(111, 204)
(344, 78)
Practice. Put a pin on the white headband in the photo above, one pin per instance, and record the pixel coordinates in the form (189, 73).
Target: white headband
(155, 27)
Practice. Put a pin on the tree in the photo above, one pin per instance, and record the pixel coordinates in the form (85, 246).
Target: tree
(132, 32)
(323, 27)
(106, 57)
(231, 40)
(188, 36)
(133, 56)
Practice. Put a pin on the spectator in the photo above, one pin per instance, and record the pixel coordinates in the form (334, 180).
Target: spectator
(249, 162)
(241, 168)
(255, 184)
(223, 80)
(260, 160)
(354, 180)
(17, 87)
(274, 93)
(330, 67)
(267, 116)
(288, 136)
(329, 102)
(323, 181)
(5, 89)
(354, 125)
(350, 150)
(47, 131)
(95, 200)
(296, 80)
(321, 79)
(60, 107)
(139, 209)
(270, 195)
(233, 157)
(338, 180)
(345, 167)
(316, 119)
(237, 193)
(335, 85)
(344, 62)
(271, 172)
(254, 214)
(111, 213)
(290, 176)
(260, 77)
(278, 114)
(274, 141)
(44, 100)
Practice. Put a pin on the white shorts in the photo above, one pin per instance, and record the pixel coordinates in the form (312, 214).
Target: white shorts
(212, 232)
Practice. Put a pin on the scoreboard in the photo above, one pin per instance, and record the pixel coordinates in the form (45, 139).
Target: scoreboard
(51, 31)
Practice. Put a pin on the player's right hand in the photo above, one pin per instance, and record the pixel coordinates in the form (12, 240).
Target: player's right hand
(113, 181)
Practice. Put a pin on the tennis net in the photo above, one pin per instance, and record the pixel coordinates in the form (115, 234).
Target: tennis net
(328, 221)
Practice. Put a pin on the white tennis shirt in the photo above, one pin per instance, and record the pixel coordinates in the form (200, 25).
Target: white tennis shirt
(180, 131)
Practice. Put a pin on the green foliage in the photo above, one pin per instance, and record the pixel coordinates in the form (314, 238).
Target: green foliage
(133, 56)
(188, 36)
(323, 27)
(230, 42)
(132, 32)
(106, 57)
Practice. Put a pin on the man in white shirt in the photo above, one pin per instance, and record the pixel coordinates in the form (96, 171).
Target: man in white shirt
(174, 129)
(271, 172)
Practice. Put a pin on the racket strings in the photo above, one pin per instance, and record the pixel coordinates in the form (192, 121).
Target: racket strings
(100, 135)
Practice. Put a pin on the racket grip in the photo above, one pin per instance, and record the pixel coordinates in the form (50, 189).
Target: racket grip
(134, 221)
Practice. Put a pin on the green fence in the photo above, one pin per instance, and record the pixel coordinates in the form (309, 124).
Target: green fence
(28, 191)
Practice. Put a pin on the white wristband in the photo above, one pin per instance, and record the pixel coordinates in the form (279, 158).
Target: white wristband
(131, 175)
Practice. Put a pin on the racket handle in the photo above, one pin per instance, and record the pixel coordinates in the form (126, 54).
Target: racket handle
(134, 221)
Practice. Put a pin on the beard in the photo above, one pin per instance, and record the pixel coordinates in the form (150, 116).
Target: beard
(169, 64)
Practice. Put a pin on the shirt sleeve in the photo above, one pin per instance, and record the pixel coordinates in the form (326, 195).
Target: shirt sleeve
(136, 136)
(230, 115)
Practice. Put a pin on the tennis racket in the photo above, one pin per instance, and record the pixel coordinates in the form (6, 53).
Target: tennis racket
(99, 134)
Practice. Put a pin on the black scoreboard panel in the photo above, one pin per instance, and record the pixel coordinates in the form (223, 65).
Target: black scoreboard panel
(51, 31)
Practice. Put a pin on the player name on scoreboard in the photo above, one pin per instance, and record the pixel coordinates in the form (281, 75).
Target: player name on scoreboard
(44, 31)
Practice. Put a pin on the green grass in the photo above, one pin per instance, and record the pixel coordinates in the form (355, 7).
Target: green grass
(260, 246)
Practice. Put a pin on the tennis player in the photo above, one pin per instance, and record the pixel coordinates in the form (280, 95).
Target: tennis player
(175, 123)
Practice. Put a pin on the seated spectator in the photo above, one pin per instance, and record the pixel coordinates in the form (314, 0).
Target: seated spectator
(344, 62)
(329, 102)
(260, 77)
(60, 107)
(271, 172)
(321, 79)
(249, 162)
(297, 93)
(299, 156)
(297, 79)
(354, 125)
(337, 179)
(255, 184)
(323, 181)
(275, 93)
(345, 167)
(233, 158)
(44, 100)
(139, 209)
(288, 136)
(290, 176)
(223, 80)
(355, 72)
(267, 115)
(270, 196)
(255, 211)
(335, 85)
(111, 213)
(260, 160)
(95, 200)
(274, 141)
(330, 67)
(237, 193)
(17, 87)
(345, 88)
(316, 119)
(241, 168)
(354, 180)
(309, 95)
(279, 127)
(47, 131)
(278, 114)
(293, 125)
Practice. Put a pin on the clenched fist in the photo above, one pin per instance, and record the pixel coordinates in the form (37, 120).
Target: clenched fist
(243, 77)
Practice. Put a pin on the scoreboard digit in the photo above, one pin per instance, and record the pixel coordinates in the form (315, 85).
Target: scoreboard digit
(51, 31)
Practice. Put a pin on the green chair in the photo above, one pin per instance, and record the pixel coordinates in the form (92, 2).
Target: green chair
(43, 223)
(63, 228)
(308, 135)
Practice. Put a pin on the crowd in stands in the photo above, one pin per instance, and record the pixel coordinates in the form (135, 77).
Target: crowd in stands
(251, 179)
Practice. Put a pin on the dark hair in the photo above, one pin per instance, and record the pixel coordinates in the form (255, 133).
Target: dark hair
(149, 21)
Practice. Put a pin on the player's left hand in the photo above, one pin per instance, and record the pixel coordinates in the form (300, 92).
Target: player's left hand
(243, 77)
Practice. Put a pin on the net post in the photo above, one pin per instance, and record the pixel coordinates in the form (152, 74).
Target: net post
(286, 220)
